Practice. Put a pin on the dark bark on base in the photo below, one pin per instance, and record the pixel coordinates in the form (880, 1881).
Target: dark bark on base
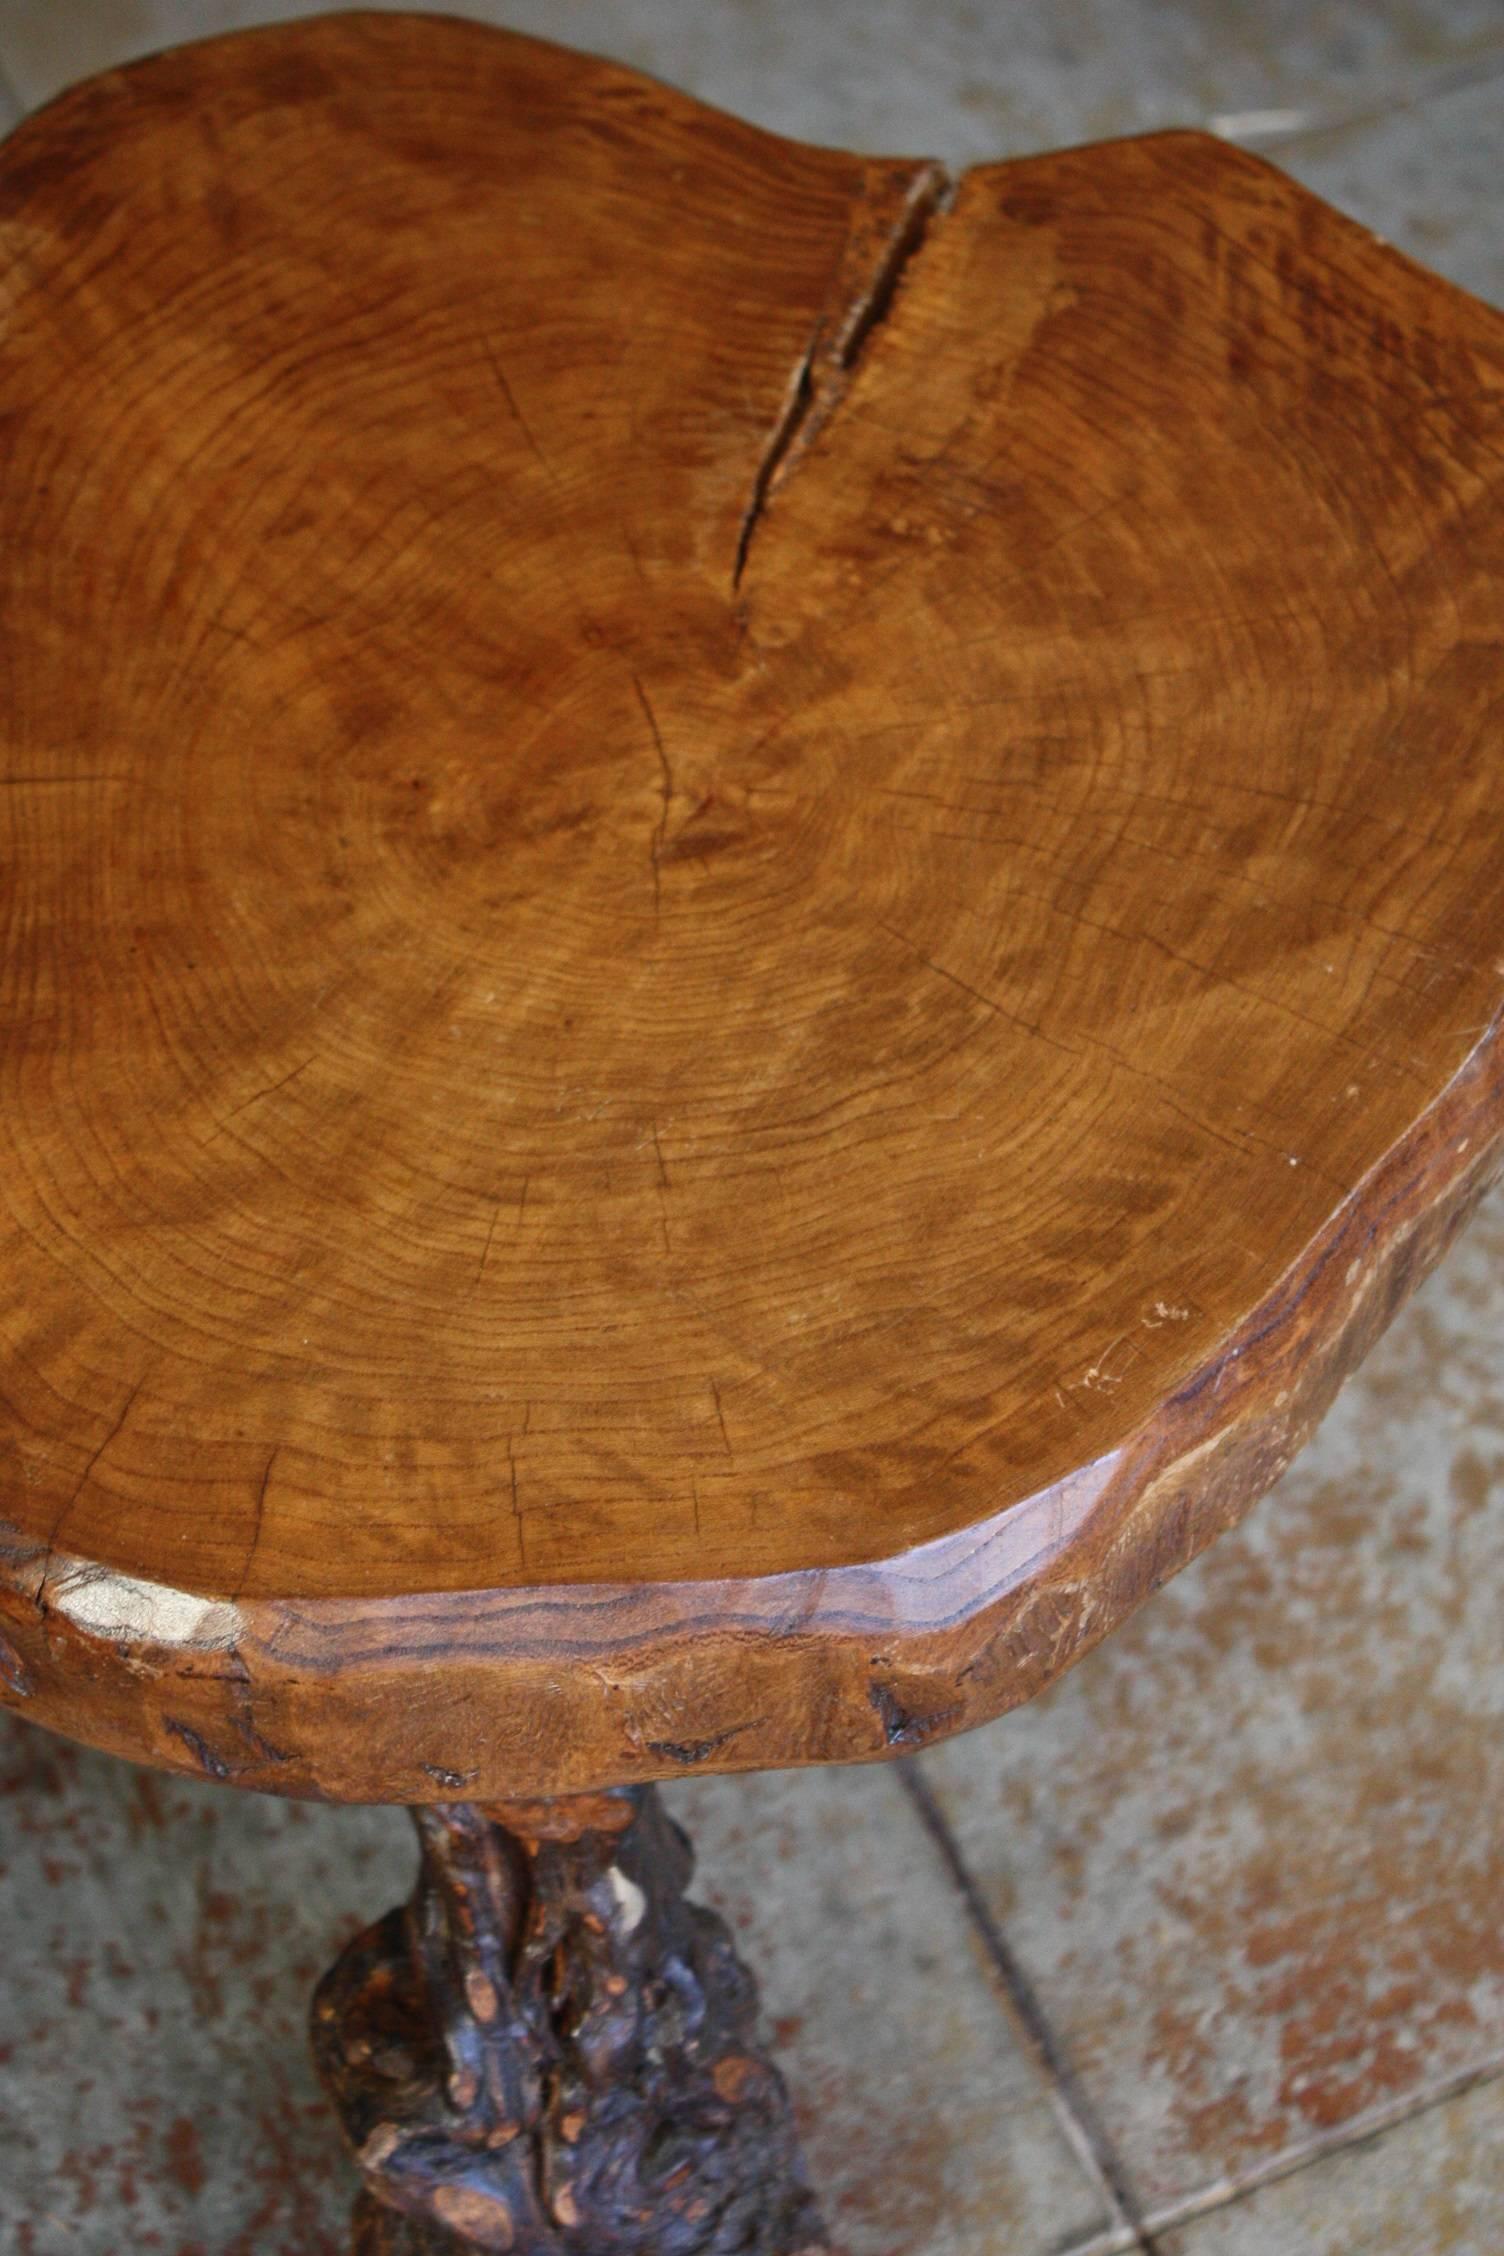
(380, 2231)
(549, 2051)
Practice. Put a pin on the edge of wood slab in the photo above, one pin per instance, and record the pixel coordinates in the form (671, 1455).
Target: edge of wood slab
(516, 1691)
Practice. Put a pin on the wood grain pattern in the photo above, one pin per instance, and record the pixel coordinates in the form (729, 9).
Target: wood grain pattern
(754, 907)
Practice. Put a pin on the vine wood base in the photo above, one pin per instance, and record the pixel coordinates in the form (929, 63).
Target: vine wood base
(549, 2052)
(380, 2231)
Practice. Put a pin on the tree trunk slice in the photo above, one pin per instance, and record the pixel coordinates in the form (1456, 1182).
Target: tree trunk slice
(754, 905)
(550, 2052)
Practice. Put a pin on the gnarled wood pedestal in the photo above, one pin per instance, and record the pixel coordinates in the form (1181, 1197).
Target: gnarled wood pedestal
(549, 2051)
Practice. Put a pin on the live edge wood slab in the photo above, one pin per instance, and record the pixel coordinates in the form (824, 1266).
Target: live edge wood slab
(753, 913)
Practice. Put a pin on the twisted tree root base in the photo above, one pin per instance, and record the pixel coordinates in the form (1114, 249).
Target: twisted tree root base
(380, 2231)
(549, 2052)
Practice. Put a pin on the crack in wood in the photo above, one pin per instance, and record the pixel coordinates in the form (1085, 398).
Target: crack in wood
(823, 374)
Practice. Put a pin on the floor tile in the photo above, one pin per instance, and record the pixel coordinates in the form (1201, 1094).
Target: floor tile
(966, 80)
(1251, 1853)
(1432, 2186)
(926, 2125)
(162, 1939)
(1426, 178)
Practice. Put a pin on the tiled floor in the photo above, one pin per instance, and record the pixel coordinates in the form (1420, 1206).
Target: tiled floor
(1202, 1954)
(1251, 1855)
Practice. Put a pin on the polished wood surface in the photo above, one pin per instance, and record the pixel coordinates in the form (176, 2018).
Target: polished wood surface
(753, 906)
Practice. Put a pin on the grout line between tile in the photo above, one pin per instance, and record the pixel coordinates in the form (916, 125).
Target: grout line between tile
(1121, 2241)
(1377, 2123)
(1282, 128)
(1078, 2119)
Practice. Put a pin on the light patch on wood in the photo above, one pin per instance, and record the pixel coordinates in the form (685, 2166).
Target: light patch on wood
(631, 1903)
(566, 2208)
(484, 2216)
(380, 2146)
(481, 1992)
(147, 1613)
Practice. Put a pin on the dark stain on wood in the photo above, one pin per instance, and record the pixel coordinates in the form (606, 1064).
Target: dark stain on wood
(13, 1670)
(686, 1753)
(212, 1764)
(904, 1726)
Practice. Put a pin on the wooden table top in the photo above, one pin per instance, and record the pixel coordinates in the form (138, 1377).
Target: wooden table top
(753, 906)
